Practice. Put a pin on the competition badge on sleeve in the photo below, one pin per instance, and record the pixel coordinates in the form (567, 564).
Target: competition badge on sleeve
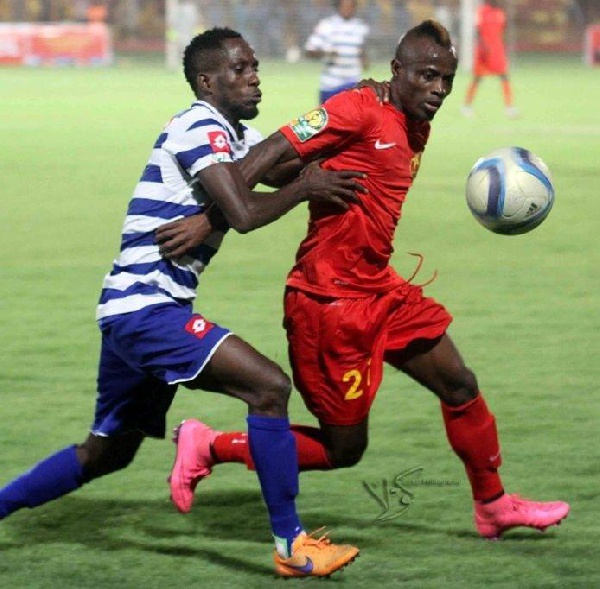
(310, 124)
(415, 164)
(221, 152)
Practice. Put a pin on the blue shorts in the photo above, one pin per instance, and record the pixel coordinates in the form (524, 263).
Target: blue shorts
(144, 356)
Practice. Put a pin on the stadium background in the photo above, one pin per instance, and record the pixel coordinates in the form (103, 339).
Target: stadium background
(277, 28)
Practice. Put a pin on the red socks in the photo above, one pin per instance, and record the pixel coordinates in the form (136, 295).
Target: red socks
(233, 447)
(471, 431)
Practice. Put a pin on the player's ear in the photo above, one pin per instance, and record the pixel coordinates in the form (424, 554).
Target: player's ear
(203, 83)
(395, 66)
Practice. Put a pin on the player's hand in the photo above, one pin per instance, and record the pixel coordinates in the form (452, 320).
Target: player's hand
(176, 238)
(381, 89)
(331, 186)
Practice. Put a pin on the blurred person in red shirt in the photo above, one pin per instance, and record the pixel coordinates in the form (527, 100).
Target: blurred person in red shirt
(490, 55)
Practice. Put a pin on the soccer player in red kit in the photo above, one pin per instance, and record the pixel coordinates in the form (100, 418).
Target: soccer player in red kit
(347, 311)
(490, 55)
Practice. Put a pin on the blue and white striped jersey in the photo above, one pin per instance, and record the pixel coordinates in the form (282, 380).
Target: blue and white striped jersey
(168, 190)
(345, 37)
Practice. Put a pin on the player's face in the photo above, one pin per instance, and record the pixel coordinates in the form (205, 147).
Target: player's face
(235, 84)
(423, 79)
(347, 8)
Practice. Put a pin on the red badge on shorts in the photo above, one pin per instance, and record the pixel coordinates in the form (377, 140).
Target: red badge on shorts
(218, 142)
(198, 326)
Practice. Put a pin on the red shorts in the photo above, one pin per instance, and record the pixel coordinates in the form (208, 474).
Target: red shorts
(490, 63)
(337, 346)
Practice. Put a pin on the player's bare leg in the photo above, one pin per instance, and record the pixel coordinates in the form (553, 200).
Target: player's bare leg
(471, 431)
(68, 469)
(345, 444)
(101, 455)
(510, 109)
(238, 370)
(467, 108)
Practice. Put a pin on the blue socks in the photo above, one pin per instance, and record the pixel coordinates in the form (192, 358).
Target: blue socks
(273, 449)
(50, 479)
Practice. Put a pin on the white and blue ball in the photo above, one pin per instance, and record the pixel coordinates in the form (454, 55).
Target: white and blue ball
(510, 191)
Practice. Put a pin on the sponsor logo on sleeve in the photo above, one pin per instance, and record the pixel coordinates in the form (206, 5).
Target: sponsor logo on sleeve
(218, 142)
(198, 326)
(310, 124)
(219, 145)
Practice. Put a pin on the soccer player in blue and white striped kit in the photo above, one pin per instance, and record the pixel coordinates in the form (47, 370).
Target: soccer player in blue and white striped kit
(339, 40)
(152, 340)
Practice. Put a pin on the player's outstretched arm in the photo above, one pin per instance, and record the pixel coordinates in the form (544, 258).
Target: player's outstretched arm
(283, 173)
(270, 162)
(246, 210)
(178, 237)
(234, 201)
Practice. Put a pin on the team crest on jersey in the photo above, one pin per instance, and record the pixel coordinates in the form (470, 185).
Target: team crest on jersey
(310, 124)
(198, 326)
(415, 164)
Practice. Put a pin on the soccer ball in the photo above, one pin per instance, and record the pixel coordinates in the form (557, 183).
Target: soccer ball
(510, 191)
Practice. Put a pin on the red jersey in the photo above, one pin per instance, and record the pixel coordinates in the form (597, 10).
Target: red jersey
(490, 56)
(347, 253)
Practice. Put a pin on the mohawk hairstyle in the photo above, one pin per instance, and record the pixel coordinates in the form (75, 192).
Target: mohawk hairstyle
(201, 53)
(429, 28)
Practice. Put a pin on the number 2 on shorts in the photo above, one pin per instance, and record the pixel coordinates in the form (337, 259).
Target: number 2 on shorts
(355, 378)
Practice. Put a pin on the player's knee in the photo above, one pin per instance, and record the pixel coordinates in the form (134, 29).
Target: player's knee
(469, 386)
(274, 394)
(98, 460)
(92, 461)
(104, 465)
(348, 456)
(462, 389)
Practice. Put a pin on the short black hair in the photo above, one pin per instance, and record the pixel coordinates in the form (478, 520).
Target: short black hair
(429, 28)
(201, 52)
(337, 4)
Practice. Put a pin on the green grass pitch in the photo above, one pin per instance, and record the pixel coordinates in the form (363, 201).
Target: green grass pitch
(526, 313)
